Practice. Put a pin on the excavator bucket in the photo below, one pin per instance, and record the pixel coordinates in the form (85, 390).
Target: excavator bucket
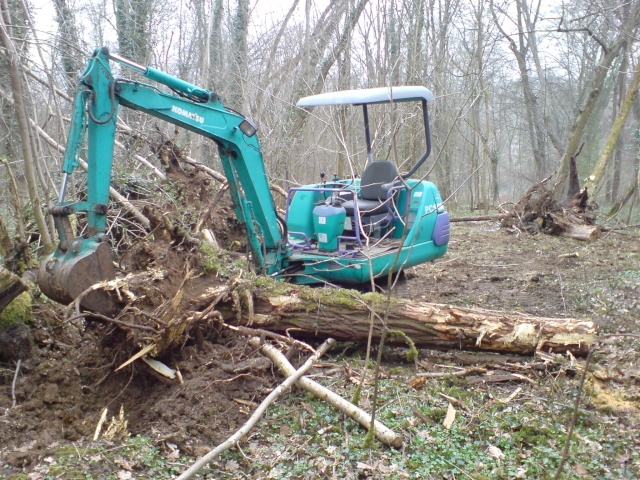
(64, 275)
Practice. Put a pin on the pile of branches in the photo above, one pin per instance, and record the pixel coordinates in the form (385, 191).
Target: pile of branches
(538, 211)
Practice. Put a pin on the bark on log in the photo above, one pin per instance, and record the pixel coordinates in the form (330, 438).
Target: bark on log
(574, 227)
(585, 233)
(10, 287)
(344, 315)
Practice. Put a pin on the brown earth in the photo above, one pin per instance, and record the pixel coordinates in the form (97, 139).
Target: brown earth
(537, 274)
(63, 388)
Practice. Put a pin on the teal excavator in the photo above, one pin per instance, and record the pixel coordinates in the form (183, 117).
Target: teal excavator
(341, 231)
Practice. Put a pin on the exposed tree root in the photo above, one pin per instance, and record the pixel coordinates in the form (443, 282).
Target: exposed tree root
(538, 211)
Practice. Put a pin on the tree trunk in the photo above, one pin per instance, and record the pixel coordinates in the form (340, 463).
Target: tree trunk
(272, 57)
(623, 201)
(602, 70)
(526, 44)
(240, 64)
(344, 315)
(324, 65)
(132, 25)
(584, 233)
(619, 93)
(69, 39)
(17, 204)
(10, 287)
(19, 95)
(598, 171)
(6, 244)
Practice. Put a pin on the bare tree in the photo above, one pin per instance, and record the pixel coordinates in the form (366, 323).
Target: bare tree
(609, 52)
(619, 93)
(15, 71)
(69, 40)
(132, 22)
(239, 66)
(598, 170)
(525, 21)
(493, 133)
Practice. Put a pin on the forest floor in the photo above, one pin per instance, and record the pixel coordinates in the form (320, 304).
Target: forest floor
(515, 428)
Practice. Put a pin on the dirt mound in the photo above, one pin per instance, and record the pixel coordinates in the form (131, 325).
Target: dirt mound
(63, 388)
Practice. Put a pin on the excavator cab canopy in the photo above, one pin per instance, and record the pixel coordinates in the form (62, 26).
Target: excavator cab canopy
(376, 96)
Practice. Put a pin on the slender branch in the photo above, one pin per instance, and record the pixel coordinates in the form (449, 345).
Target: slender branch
(598, 40)
(13, 385)
(461, 373)
(481, 218)
(376, 387)
(572, 426)
(382, 433)
(277, 392)
(15, 198)
(104, 318)
(119, 198)
(254, 332)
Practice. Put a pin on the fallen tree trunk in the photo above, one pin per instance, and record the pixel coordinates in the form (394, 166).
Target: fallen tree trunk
(481, 218)
(10, 287)
(566, 226)
(342, 314)
(345, 315)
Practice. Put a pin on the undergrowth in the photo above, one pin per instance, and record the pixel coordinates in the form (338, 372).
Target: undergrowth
(303, 437)
(134, 458)
(306, 438)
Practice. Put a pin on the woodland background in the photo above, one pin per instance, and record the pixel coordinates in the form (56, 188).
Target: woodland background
(520, 87)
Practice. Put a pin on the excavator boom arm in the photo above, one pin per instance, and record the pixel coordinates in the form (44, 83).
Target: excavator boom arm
(193, 108)
(83, 261)
(240, 155)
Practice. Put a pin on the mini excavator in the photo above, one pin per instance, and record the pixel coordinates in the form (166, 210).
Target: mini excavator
(343, 231)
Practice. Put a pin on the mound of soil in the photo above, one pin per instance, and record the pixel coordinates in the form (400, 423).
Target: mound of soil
(63, 388)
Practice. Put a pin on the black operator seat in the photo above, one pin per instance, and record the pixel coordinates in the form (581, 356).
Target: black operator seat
(372, 194)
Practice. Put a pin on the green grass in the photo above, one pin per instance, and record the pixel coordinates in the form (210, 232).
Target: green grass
(137, 457)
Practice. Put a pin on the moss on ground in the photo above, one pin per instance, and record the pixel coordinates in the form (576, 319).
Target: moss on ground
(18, 311)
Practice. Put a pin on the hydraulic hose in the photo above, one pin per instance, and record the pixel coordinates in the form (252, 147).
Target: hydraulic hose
(112, 97)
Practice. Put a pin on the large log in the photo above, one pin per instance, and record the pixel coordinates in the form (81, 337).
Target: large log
(344, 315)
(10, 287)
(573, 227)
(481, 218)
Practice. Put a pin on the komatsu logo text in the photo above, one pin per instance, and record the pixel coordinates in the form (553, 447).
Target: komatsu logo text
(185, 113)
